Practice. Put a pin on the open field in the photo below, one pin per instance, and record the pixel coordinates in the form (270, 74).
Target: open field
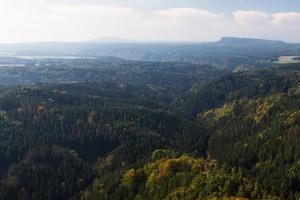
(287, 60)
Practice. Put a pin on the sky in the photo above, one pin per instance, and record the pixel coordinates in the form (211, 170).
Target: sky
(148, 20)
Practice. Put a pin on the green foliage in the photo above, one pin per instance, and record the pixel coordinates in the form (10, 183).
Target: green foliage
(46, 173)
(260, 135)
(236, 86)
(183, 177)
(105, 126)
(233, 138)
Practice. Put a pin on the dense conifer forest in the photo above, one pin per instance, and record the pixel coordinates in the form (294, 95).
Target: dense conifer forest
(108, 128)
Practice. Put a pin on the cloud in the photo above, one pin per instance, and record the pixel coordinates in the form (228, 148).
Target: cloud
(67, 23)
(287, 18)
(191, 23)
(75, 23)
(187, 12)
(263, 18)
(251, 17)
(280, 26)
(79, 23)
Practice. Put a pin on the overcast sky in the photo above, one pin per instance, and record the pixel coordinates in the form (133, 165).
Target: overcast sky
(166, 20)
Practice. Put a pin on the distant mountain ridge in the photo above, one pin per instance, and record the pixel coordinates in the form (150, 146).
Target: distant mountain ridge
(113, 40)
(227, 53)
(248, 41)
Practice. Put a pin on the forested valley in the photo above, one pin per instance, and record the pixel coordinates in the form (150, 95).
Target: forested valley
(109, 128)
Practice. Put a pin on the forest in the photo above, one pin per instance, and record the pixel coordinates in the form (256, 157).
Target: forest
(110, 128)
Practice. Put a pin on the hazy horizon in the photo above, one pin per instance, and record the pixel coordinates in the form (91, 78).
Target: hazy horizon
(112, 40)
(159, 20)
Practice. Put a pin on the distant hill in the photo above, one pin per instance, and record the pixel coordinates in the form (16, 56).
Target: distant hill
(227, 53)
(113, 40)
(249, 42)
